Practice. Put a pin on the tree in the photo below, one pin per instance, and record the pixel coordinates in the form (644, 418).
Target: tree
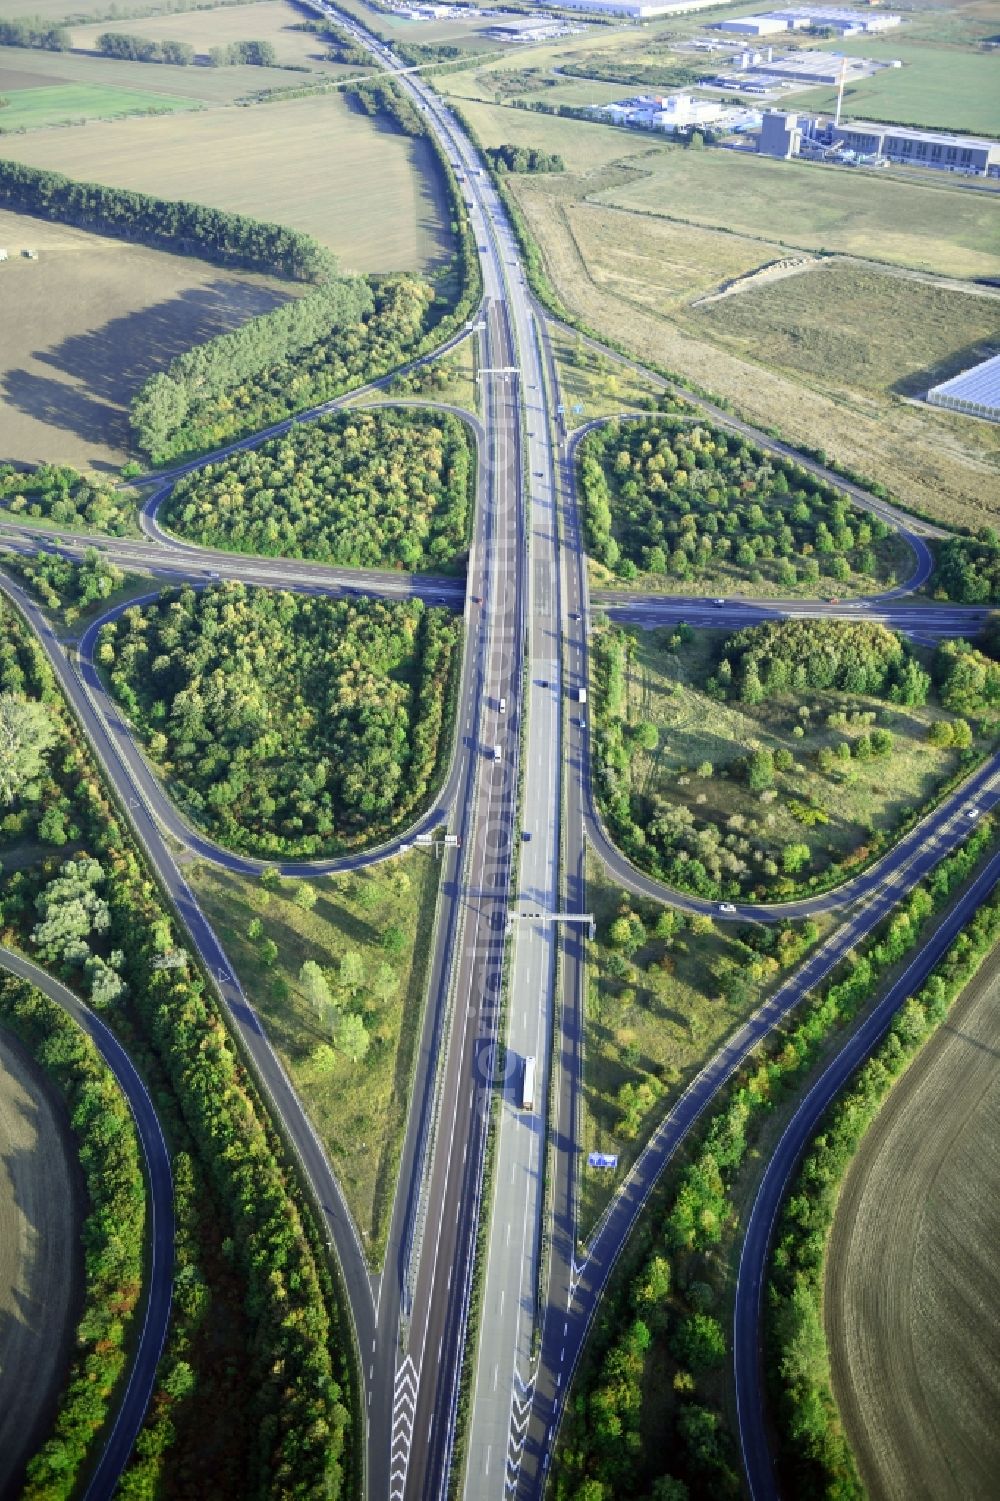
(305, 896)
(317, 988)
(352, 1037)
(352, 970)
(700, 1343)
(385, 983)
(760, 770)
(794, 857)
(26, 733)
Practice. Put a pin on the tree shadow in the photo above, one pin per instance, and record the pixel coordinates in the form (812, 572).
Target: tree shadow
(96, 374)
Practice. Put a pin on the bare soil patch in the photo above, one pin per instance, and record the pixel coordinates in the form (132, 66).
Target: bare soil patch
(912, 1298)
(87, 323)
(40, 1257)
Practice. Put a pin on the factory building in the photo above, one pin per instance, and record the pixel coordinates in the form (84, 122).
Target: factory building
(809, 67)
(786, 135)
(633, 10)
(843, 22)
(975, 392)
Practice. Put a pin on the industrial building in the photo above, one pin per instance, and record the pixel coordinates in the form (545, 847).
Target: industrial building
(975, 392)
(633, 10)
(677, 113)
(807, 68)
(843, 22)
(865, 141)
(530, 29)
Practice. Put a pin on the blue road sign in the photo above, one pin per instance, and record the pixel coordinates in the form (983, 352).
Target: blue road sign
(602, 1159)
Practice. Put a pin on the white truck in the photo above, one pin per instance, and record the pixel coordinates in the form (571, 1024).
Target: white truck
(581, 695)
(528, 1085)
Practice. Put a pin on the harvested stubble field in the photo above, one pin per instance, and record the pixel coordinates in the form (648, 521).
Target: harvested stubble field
(912, 1297)
(39, 1256)
(206, 85)
(263, 21)
(374, 196)
(87, 323)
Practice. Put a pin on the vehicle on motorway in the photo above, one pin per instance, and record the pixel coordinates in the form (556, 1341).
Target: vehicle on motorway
(503, 706)
(972, 811)
(583, 723)
(525, 835)
(497, 753)
(528, 1085)
(720, 604)
(726, 907)
(833, 599)
(581, 695)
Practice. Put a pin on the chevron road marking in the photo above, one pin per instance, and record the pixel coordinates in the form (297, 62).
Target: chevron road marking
(520, 1414)
(404, 1405)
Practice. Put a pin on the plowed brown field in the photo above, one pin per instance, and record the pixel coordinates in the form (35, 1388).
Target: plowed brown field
(913, 1287)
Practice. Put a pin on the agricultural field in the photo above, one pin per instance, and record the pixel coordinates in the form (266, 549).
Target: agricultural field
(938, 87)
(71, 104)
(838, 324)
(374, 196)
(939, 227)
(40, 1257)
(370, 933)
(88, 322)
(912, 1296)
(215, 685)
(262, 21)
(583, 147)
(729, 795)
(660, 1000)
(24, 69)
(630, 276)
(672, 503)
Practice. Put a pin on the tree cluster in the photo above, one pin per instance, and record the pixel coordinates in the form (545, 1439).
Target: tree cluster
(666, 496)
(113, 1231)
(253, 54)
(252, 1285)
(162, 409)
(371, 488)
(63, 584)
(30, 32)
(968, 681)
(381, 98)
(509, 158)
(665, 1322)
(801, 656)
(55, 493)
(137, 49)
(968, 568)
(817, 1461)
(286, 724)
(184, 228)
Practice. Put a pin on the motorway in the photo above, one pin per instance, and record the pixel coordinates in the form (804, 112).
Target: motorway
(526, 614)
(152, 1335)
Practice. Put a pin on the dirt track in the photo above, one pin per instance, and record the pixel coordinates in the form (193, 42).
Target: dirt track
(39, 1257)
(913, 1288)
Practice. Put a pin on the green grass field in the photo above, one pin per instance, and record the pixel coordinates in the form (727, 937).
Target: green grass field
(653, 1025)
(593, 383)
(30, 109)
(936, 227)
(358, 1109)
(940, 87)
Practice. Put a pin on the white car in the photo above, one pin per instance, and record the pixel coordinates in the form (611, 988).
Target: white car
(971, 811)
(726, 907)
